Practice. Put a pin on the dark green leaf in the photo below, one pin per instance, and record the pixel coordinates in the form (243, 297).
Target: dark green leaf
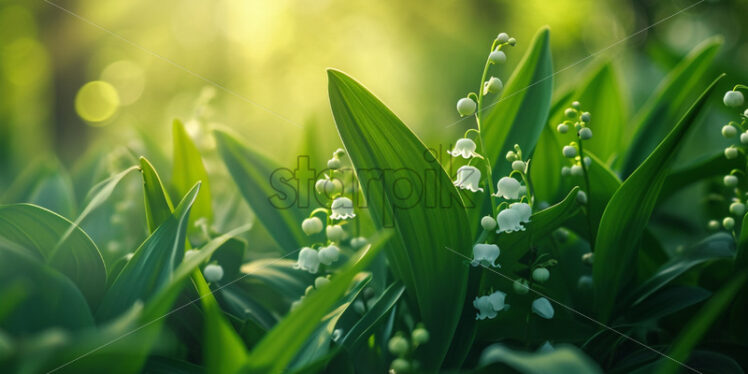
(362, 329)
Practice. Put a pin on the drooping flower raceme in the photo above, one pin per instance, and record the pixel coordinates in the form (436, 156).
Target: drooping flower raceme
(308, 260)
(542, 307)
(465, 148)
(509, 221)
(523, 210)
(485, 254)
(468, 178)
(489, 306)
(342, 208)
(508, 188)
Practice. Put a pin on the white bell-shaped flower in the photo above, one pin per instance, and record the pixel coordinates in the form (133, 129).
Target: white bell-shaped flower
(523, 210)
(311, 226)
(509, 221)
(335, 233)
(329, 254)
(342, 208)
(465, 148)
(485, 254)
(489, 306)
(542, 307)
(468, 178)
(308, 260)
(508, 188)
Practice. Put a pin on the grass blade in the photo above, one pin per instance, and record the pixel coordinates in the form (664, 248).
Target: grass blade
(188, 170)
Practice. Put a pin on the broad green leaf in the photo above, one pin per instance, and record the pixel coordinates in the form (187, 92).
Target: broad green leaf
(561, 360)
(41, 232)
(43, 182)
(48, 299)
(406, 188)
(276, 350)
(661, 111)
(692, 333)
(152, 265)
(265, 190)
(666, 302)
(362, 329)
(628, 212)
(188, 170)
(717, 165)
(158, 206)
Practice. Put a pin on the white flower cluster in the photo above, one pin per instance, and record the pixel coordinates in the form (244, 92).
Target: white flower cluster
(574, 151)
(737, 208)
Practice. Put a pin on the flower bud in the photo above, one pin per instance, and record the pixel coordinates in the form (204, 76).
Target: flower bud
(466, 106)
(420, 336)
(562, 128)
(543, 308)
(585, 282)
(398, 345)
(731, 153)
(737, 208)
(728, 131)
(335, 233)
(570, 113)
(359, 242)
(329, 254)
(493, 85)
(520, 287)
(321, 281)
(541, 275)
(577, 171)
(311, 226)
(745, 113)
(728, 223)
(511, 156)
(488, 223)
(587, 161)
(576, 105)
(713, 225)
(588, 258)
(400, 365)
(569, 151)
(213, 273)
(730, 180)
(585, 117)
(744, 138)
(512, 42)
(581, 197)
(497, 57)
(340, 152)
(733, 99)
(333, 163)
(585, 133)
(519, 165)
(565, 171)
(359, 307)
(502, 38)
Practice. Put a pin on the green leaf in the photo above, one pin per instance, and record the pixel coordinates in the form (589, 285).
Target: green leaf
(41, 232)
(666, 302)
(716, 165)
(406, 188)
(152, 265)
(264, 190)
(362, 329)
(700, 324)
(628, 212)
(188, 170)
(276, 350)
(561, 360)
(158, 206)
(665, 106)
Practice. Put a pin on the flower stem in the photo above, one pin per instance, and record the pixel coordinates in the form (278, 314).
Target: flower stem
(589, 193)
(478, 116)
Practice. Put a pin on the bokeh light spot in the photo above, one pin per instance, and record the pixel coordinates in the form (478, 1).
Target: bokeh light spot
(127, 78)
(96, 101)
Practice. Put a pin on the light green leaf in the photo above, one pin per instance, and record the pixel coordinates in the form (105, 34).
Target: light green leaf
(188, 170)
(665, 106)
(561, 360)
(158, 206)
(276, 350)
(263, 189)
(406, 188)
(628, 212)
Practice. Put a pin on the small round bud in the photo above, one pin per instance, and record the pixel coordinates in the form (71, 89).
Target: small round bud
(562, 128)
(581, 197)
(570, 113)
(339, 153)
(737, 208)
(466, 106)
(333, 163)
(728, 223)
(497, 57)
(578, 126)
(585, 133)
(321, 281)
(512, 42)
(335, 233)
(588, 258)
(728, 131)
(519, 165)
(494, 85)
(587, 161)
(502, 38)
(400, 365)
(731, 153)
(488, 223)
(319, 186)
(398, 345)
(577, 171)
(511, 156)
(585, 117)
(713, 225)
(520, 287)
(733, 99)
(311, 226)
(213, 273)
(569, 151)
(576, 105)
(585, 282)
(730, 180)
(359, 242)
(565, 171)
(420, 336)
(745, 113)
(359, 307)
(744, 138)
(541, 275)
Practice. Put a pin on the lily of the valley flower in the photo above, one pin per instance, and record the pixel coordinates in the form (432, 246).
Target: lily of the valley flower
(485, 254)
(468, 178)
(213, 273)
(524, 211)
(509, 221)
(335, 233)
(464, 147)
(488, 306)
(329, 254)
(542, 307)
(508, 188)
(342, 208)
(308, 260)
(311, 226)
